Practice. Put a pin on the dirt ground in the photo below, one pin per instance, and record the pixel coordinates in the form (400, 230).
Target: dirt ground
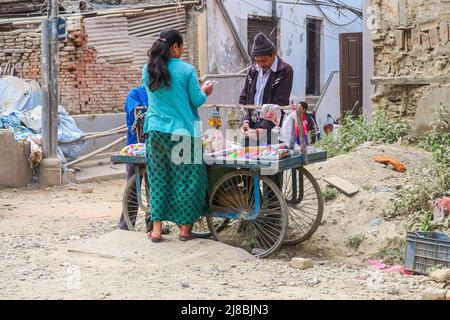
(361, 213)
(62, 243)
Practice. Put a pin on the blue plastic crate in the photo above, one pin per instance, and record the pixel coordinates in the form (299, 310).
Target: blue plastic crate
(425, 250)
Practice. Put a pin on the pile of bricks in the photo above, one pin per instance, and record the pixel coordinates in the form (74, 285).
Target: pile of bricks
(86, 85)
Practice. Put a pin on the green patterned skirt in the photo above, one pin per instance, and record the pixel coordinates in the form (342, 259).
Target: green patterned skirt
(178, 191)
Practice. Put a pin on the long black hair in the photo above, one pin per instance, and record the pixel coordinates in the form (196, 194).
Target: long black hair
(159, 55)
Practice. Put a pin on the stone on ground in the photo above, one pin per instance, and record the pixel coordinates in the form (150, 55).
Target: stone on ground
(440, 276)
(301, 263)
(434, 294)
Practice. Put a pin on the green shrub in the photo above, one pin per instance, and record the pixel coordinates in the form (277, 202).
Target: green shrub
(429, 181)
(329, 193)
(394, 251)
(437, 141)
(355, 240)
(357, 130)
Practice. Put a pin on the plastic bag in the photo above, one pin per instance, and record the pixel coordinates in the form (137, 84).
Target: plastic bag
(70, 134)
(17, 94)
(271, 112)
(287, 131)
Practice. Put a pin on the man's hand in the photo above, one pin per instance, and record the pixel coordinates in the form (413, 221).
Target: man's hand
(248, 132)
(245, 129)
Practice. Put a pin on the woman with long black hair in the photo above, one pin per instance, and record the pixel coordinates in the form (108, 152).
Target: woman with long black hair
(178, 189)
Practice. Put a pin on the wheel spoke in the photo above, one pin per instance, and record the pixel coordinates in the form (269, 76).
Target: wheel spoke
(266, 231)
(306, 213)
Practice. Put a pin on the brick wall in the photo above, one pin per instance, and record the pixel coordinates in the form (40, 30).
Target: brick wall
(86, 85)
(411, 40)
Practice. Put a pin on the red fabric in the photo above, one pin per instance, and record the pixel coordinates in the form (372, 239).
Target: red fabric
(305, 127)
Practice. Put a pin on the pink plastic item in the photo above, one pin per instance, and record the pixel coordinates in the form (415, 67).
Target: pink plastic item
(398, 268)
(377, 264)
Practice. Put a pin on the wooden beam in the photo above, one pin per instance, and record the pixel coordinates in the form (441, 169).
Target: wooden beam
(251, 107)
(409, 80)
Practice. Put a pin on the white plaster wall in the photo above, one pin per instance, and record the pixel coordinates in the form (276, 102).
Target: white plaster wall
(224, 55)
(330, 103)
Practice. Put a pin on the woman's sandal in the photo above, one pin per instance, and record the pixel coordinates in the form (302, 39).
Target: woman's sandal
(154, 239)
(185, 238)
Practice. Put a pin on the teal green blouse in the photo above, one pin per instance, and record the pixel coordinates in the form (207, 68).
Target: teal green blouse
(174, 110)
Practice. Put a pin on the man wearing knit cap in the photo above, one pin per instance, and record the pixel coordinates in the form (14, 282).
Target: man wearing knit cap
(269, 81)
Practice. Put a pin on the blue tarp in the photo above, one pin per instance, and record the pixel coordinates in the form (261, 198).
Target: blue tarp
(69, 132)
(20, 111)
(19, 95)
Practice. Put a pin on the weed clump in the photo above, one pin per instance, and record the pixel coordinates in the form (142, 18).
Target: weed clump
(329, 193)
(394, 251)
(355, 240)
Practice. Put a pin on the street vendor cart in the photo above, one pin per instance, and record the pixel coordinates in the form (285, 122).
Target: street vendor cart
(248, 207)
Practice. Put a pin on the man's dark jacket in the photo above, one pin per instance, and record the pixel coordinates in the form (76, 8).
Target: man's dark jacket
(277, 91)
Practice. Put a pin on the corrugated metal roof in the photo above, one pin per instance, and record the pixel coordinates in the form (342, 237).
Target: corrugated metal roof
(120, 38)
(140, 47)
(152, 23)
(109, 35)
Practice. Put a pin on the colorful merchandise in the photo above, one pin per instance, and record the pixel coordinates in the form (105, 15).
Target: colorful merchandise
(136, 150)
(215, 120)
(271, 152)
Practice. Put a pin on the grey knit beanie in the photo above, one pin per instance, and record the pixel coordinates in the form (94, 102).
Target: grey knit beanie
(262, 46)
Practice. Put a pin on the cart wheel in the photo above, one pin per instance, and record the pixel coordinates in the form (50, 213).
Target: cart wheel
(305, 204)
(200, 228)
(137, 217)
(233, 193)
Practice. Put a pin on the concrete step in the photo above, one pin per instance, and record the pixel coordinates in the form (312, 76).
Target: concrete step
(312, 99)
(311, 107)
(312, 102)
(98, 160)
(104, 172)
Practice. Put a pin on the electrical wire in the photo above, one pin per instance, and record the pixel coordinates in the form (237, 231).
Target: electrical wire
(355, 10)
(290, 21)
(329, 3)
(335, 23)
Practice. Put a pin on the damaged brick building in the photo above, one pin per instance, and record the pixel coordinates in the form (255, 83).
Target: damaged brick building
(411, 55)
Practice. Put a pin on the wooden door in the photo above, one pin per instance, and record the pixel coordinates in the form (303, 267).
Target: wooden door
(313, 37)
(351, 73)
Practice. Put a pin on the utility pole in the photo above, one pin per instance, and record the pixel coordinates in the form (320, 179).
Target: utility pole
(274, 16)
(54, 48)
(50, 169)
